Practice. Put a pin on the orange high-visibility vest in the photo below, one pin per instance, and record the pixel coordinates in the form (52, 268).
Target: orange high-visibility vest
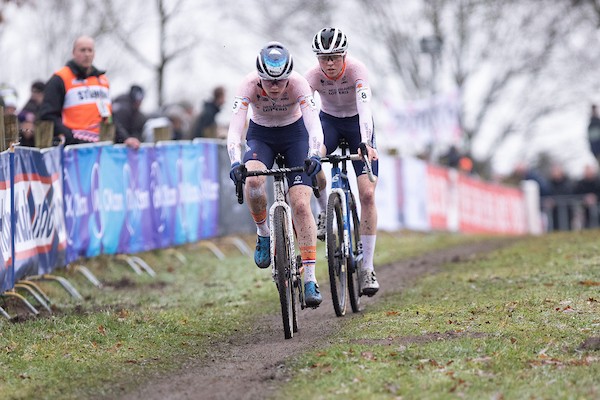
(87, 103)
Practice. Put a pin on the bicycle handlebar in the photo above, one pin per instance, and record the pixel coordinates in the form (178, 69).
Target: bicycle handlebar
(274, 171)
(239, 187)
(336, 158)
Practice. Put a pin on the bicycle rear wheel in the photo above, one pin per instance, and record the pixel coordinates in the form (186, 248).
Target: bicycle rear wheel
(283, 260)
(356, 256)
(335, 254)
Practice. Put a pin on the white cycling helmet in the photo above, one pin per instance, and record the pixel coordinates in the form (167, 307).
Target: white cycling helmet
(274, 62)
(330, 41)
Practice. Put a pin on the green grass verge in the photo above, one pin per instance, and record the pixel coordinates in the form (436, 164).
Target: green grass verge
(506, 326)
(139, 326)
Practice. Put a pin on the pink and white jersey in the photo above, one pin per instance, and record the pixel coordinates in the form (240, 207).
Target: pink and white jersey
(347, 95)
(296, 101)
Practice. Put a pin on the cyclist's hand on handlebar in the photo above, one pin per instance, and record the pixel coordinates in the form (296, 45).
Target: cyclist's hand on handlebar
(312, 165)
(237, 172)
(371, 152)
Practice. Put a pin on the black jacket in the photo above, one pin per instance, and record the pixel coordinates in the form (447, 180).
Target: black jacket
(128, 120)
(206, 118)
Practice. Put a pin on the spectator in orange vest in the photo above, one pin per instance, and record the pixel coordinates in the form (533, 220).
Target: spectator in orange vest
(76, 98)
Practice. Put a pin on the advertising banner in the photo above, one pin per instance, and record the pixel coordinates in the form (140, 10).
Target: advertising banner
(420, 124)
(163, 188)
(81, 168)
(206, 163)
(414, 197)
(438, 188)
(137, 230)
(489, 208)
(40, 235)
(6, 268)
(123, 201)
(169, 162)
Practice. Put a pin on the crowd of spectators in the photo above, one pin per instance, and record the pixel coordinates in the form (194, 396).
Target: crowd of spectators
(567, 203)
(77, 99)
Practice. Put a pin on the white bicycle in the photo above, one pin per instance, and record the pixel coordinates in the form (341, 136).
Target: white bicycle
(285, 261)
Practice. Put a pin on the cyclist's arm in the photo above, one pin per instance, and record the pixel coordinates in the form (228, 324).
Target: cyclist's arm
(237, 127)
(365, 115)
(310, 115)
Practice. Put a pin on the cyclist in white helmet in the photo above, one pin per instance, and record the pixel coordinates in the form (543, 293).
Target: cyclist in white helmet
(343, 85)
(284, 120)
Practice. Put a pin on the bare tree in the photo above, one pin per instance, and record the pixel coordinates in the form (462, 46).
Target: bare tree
(292, 23)
(496, 53)
(56, 39)
(395, 32)
(174, 36)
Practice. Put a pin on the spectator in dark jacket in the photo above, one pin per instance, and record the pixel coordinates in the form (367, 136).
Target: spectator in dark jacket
(30, 114)
(593, 132)
(206, 125)
(560, 212)
(589, 187)
(128, 118)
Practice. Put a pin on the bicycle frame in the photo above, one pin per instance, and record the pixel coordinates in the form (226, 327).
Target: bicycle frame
(280, 201)
(341, 186)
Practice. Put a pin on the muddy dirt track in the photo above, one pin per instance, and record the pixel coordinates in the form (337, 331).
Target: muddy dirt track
(252, 364)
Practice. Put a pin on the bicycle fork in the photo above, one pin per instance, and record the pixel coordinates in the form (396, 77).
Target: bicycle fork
(346, 234)
(290, 236)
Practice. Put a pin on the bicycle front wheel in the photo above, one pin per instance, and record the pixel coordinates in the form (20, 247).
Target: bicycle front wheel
(336, 258)
(283, 260)
(354, 262)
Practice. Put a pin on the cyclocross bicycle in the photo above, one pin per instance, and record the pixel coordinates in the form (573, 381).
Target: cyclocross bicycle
(285, 261)
(342, 238)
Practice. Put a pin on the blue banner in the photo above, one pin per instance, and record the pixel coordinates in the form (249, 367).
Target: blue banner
(165, 192)
(207, 171)
(190, 201)
(81, 166)
(123, 201)
(138, 233)
(114, 177)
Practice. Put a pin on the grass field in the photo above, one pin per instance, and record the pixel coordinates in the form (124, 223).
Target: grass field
(509, 325)
(514, 325)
